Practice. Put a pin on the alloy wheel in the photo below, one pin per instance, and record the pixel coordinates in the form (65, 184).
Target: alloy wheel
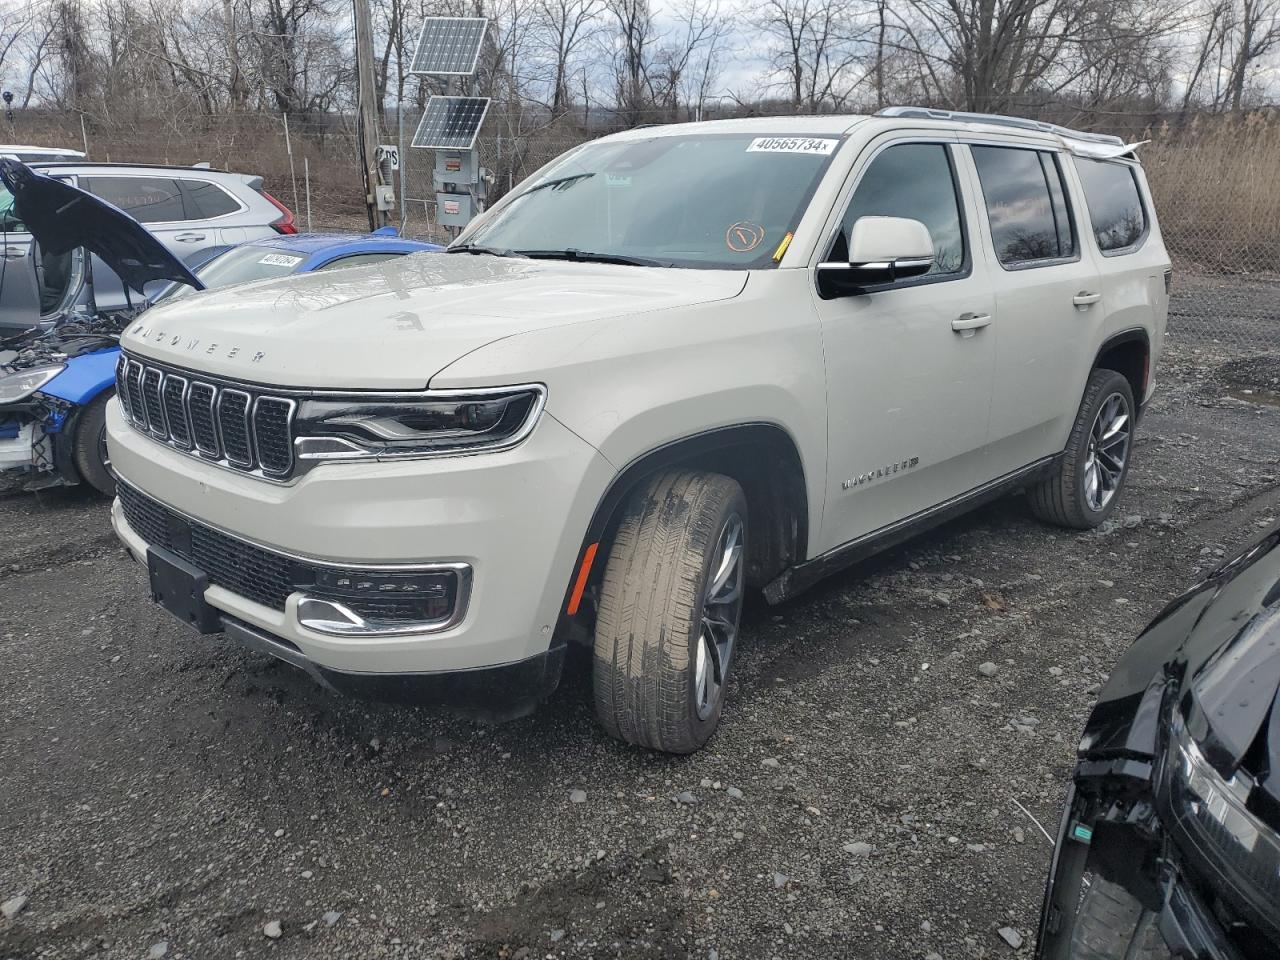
(721, 611)
(1108, 452)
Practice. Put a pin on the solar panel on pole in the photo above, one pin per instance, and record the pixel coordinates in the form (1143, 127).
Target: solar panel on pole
(449, 46)
(451, 123)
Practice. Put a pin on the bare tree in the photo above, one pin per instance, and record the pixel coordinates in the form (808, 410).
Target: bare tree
(814, 46)
(563, 28)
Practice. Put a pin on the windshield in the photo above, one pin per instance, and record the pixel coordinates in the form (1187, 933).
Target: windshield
(725, 201)
(238, 266)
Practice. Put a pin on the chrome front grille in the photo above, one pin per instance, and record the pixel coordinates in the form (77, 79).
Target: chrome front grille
(237, 427)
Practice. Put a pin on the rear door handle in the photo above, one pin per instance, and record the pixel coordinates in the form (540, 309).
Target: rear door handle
(1086, 297)
(970, 321)
(189, 237)
(15, 253)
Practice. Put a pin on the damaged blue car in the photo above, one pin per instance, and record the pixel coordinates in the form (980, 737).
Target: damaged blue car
(55, 380)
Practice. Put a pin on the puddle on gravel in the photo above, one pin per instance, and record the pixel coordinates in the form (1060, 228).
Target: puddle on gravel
(1256, 396)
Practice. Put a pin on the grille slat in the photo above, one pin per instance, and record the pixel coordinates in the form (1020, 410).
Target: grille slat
(271, 421)
(133, 384)
(151, 400)
(200, 400)
(173, 396)
(233, 423)
(239, 428)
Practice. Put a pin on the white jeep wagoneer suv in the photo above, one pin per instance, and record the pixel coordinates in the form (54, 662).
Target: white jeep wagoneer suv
(675, 364)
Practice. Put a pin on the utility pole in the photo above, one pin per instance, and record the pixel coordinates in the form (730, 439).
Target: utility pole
(368, 111)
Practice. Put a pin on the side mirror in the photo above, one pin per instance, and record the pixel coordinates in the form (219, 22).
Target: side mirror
(881, 250)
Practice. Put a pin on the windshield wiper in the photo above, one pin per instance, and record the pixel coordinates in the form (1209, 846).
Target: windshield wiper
(477, 248)
(558, 182)
(587, 257)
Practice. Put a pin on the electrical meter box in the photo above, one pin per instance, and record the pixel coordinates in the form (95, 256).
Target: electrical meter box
(454, 209)
(456, 166)
(385, 195)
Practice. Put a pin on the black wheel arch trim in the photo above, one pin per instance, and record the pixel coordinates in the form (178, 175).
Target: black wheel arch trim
(671, 454)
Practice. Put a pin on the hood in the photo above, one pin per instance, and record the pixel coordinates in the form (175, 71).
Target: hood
(394, 324)
(62, 217)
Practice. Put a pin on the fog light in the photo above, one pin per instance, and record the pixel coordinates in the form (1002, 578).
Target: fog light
(381, 602)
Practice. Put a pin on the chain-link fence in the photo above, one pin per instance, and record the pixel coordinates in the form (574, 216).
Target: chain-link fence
(1216, 182)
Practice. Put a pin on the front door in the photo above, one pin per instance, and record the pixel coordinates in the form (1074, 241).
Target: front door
(909, 365)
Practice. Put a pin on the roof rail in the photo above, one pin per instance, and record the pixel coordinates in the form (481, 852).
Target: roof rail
(959, 116)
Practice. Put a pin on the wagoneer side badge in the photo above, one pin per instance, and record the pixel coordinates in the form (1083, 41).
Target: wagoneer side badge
(879, 473)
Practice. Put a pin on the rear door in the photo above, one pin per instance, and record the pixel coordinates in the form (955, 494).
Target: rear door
(1046, 288)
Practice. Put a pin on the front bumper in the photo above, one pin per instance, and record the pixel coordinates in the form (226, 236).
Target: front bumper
(516, 518)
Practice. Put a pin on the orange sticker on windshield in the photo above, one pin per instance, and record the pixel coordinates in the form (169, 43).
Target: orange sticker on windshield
(744, 236)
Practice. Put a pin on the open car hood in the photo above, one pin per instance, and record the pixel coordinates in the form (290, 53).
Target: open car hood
(61, 218)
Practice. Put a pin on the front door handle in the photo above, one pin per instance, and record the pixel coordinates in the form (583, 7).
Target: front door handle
(15, 253)
(1085, 298)
(970, 321)
(189, 237)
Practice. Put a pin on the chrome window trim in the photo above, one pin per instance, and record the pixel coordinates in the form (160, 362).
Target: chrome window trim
(248, 426)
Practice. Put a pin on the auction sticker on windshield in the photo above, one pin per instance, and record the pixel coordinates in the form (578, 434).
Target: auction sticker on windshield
(280, 260)
(818, 145)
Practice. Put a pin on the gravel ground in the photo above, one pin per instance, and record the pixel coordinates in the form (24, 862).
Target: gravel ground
(872, 792)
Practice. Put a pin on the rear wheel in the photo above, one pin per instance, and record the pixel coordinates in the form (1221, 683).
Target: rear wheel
(1085, 486)
(90, 446)
(669, 609)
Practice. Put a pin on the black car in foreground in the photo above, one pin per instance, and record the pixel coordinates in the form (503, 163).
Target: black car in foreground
(1170, 841)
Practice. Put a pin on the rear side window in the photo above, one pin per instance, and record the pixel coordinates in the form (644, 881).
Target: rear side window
(1026, 204)
(1115, 206)
(146, 199)
(205, 200)
(912, 180)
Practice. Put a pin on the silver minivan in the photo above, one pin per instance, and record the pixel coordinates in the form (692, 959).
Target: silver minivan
(193, 211)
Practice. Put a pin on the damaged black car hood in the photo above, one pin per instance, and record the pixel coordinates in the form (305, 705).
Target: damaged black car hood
(1213, 655)
(61, 218)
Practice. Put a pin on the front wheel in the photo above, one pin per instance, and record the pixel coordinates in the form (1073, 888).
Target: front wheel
(1085, 486)
(90, 446)
(669, 609)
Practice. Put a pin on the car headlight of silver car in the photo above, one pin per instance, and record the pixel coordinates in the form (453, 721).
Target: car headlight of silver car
(430, 424)
(1211, 813)
(20, 385)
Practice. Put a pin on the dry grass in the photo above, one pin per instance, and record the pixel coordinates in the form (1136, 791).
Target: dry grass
(1216, 184)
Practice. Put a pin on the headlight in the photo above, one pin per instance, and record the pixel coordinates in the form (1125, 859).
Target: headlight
(20, 385)
(1210, 815)
(379, 428)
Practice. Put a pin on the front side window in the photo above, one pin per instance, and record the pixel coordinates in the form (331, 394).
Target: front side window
(1115, 206)
(1026, 204)
(722, 201)
(912, 180)
(146, 199)
(204, 200)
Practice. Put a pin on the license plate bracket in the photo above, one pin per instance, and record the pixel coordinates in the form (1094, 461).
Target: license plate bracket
(179, 587)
